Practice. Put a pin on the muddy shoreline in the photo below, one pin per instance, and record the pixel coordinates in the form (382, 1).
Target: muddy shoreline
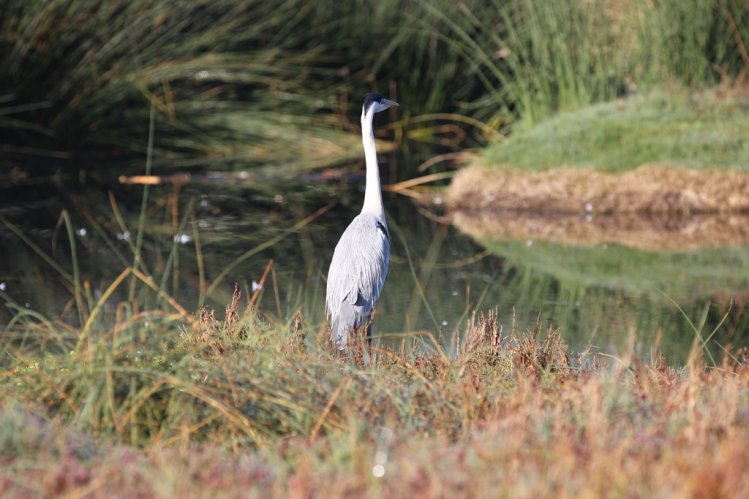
(659, 208)
(646, 189)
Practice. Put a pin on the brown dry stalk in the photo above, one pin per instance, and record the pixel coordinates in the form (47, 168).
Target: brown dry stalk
(261, 283)
(331, 402)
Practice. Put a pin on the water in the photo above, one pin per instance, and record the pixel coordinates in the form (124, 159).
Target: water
(610, 296)
(231, 220)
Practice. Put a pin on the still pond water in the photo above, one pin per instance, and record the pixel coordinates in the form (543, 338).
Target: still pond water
(214, 231)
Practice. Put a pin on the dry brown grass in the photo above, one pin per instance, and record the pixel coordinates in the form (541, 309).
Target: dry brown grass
(655, 208)
(647, 189)
(511, 414)
(643, 432)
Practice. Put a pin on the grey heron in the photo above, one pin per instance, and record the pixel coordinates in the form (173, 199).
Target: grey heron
(360, 261)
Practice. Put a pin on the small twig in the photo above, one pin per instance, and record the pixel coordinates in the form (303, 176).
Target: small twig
(261, 283)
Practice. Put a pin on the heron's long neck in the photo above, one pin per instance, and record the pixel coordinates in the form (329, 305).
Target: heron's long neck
(372, 193)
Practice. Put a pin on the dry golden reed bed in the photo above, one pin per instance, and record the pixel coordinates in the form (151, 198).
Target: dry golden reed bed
(240, 408)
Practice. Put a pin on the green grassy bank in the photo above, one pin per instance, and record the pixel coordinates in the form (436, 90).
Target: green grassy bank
(671, 126)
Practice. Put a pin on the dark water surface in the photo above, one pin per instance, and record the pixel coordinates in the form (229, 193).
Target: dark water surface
(438, 278)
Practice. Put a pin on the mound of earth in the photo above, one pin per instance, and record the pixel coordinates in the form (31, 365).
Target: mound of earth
(653, 207)
(649, 189)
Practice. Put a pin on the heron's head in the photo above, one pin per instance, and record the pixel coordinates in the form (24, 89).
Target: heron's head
(375, 103)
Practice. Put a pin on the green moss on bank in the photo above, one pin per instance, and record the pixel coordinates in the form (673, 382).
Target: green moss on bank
(669, 126)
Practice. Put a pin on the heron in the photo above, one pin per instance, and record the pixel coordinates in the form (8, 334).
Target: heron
(360, 260)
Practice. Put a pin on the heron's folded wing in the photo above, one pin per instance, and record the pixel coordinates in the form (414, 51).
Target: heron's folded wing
(359, 266)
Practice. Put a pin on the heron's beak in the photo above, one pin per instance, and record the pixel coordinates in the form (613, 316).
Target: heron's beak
(389, 103)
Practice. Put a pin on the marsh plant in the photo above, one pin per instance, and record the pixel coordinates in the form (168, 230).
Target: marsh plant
(250, 83)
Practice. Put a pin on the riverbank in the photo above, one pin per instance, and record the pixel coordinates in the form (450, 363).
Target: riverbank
(646, 189)
(615, 171)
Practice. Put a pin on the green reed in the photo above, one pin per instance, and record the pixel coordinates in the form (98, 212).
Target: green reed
(250, 84)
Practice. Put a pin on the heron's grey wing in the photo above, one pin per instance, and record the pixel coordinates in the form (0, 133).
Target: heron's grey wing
(357, 275)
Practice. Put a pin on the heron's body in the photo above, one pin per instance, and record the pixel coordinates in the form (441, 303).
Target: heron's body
(356, 277)
(361, 258)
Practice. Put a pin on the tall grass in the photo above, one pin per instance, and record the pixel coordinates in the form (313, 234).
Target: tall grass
(696, 41)
(236, 83)
(253, 83)
(242, 404)
(225, 77)
(538, 58)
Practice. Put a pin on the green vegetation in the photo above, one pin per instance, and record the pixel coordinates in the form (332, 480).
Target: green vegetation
(215, 70)
(538, 58)
(252, 83)
(669, 126)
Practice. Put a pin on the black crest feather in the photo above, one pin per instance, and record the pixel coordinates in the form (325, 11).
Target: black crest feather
(371, 98)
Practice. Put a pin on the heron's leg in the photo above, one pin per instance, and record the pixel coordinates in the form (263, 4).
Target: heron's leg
(372, 360)
(351, 348)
